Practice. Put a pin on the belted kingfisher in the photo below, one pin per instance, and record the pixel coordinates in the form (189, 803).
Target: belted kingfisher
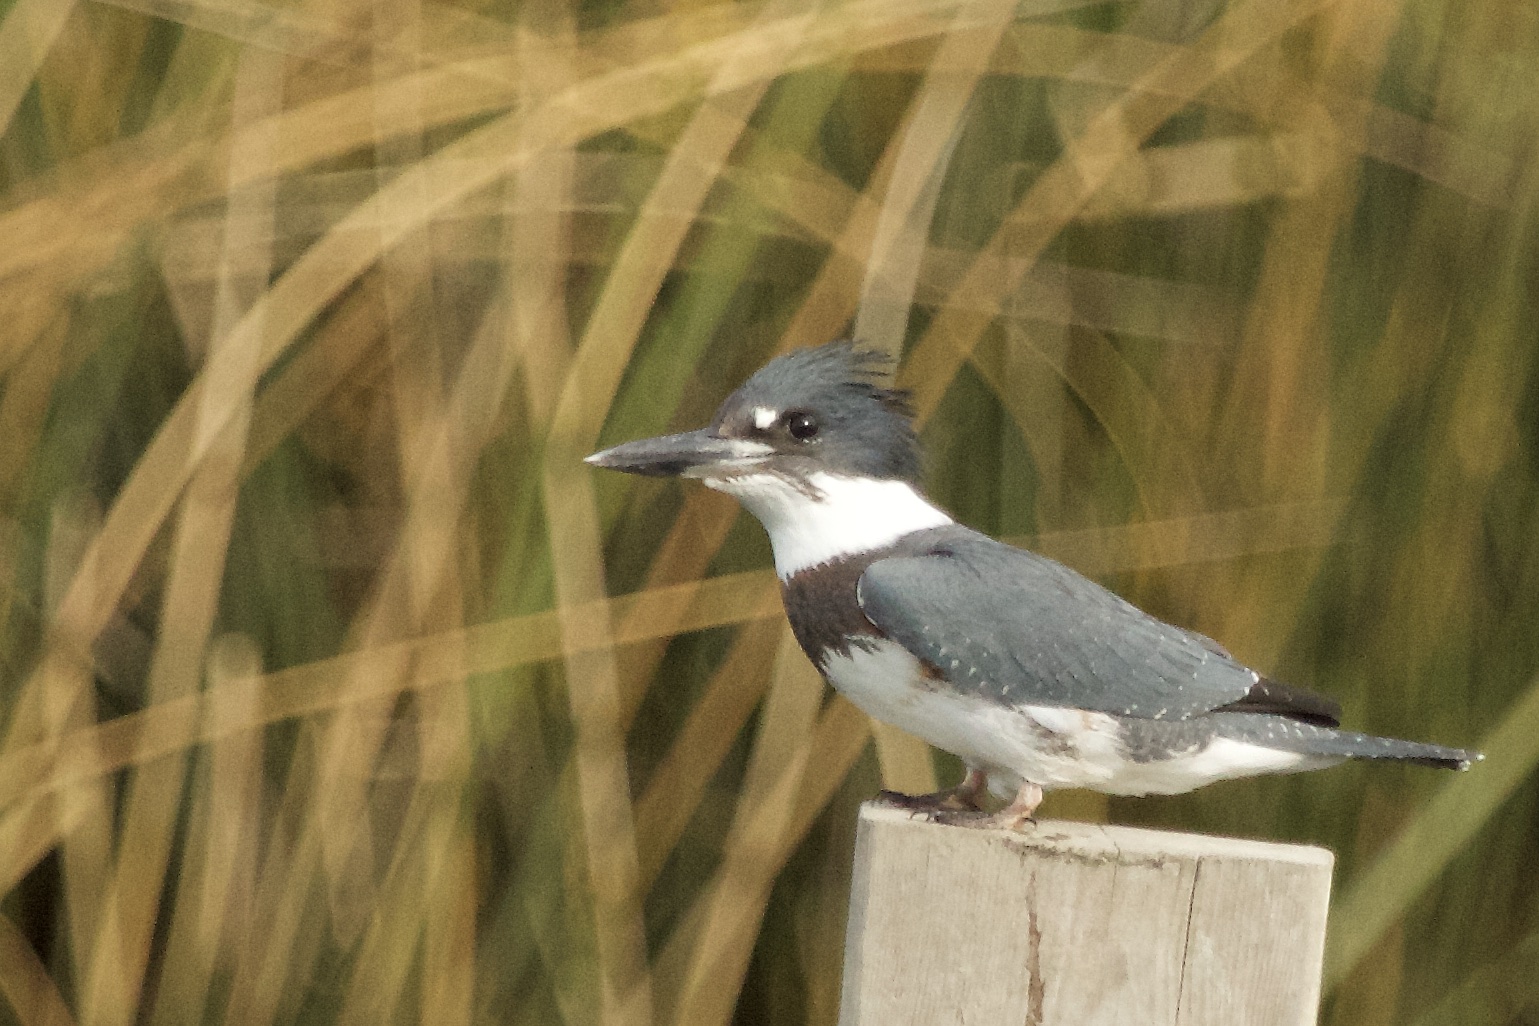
(1034, 676)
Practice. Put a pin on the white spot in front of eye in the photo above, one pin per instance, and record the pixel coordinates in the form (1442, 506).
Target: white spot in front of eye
(764, 417)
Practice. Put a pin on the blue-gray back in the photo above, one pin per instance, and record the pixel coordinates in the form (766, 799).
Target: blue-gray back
(1020, 629)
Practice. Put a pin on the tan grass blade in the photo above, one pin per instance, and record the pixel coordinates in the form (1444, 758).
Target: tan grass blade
(425, 908)
(442, 455)
(40, 229)
(1273, 401)
(832, 298)
(260, 26)
(31, 830)
(451, 173)
(420, 568)
(288, 930)
(612, 875)
(602, 776)
(115, 973)
(86, 847)
(449, 954)
(31, 303)
(29, 775)
(29, 389)
(693, 165)
(641, 616)
(449, 878)
(77, 88)
(840, 737)
(810, 203)
(906, 763)
(613, 869)
(1198, 538)
(538, 243)
(400, 921)
(1121, 59)
(25, 982)
(537, 240)
(1378, 896)
(321, 686)
(929, 138)
(1167, 181)
(841, 734)
(351, 333)
(211, 915)
(765, 811)
(388, 946)
(1060, 191)
(27, 36)
(1060, 294)
(1154, 447)
(675, 789)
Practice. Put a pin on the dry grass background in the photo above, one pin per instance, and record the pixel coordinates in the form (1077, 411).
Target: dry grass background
(337, 690)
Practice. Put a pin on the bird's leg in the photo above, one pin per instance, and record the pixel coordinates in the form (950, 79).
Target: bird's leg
(1022, 808)
(965, 797)
(1014, 816)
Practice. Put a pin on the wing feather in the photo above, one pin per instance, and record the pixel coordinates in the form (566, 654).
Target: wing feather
(1036, 633)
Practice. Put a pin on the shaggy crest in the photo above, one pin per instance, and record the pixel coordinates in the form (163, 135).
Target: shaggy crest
(869, 423)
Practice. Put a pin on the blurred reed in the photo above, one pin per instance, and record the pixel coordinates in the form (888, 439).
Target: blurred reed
(337, 689)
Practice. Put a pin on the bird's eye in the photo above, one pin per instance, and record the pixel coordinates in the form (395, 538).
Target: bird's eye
(802, 426)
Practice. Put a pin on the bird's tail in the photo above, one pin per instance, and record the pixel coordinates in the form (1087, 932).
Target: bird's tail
(1314, 739)
(1366, 746)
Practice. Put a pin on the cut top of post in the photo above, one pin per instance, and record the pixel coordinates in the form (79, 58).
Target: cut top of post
(1078, 923)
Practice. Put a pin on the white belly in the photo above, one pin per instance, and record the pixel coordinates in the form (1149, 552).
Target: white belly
(1048, 746)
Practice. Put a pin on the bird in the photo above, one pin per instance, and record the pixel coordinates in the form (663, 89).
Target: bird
(1034, 676)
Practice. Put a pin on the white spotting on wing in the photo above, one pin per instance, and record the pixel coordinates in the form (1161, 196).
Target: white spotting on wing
(885, 681)
(848, 515)
(764, 417)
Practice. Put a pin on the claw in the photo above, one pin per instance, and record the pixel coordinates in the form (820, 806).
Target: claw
(1015, 816)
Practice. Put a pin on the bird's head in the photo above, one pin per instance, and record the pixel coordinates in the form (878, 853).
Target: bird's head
(810, 412)
(815, 445)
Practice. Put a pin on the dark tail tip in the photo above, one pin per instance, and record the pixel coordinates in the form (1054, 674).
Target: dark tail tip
(1455, 759)
(1393, 749)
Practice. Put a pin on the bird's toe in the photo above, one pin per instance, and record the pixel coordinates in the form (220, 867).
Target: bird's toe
(952, 800)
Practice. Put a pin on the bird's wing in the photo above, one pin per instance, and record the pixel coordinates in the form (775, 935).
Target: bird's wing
(1017, 628)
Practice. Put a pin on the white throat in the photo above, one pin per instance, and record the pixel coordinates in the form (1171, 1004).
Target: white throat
(849, 515)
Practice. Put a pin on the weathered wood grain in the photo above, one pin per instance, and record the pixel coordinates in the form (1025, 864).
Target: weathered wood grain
(1073, 924)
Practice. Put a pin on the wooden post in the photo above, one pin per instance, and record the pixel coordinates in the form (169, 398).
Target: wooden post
(1074, 924)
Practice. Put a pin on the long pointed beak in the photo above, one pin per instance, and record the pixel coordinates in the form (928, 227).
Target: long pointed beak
(689, 454)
